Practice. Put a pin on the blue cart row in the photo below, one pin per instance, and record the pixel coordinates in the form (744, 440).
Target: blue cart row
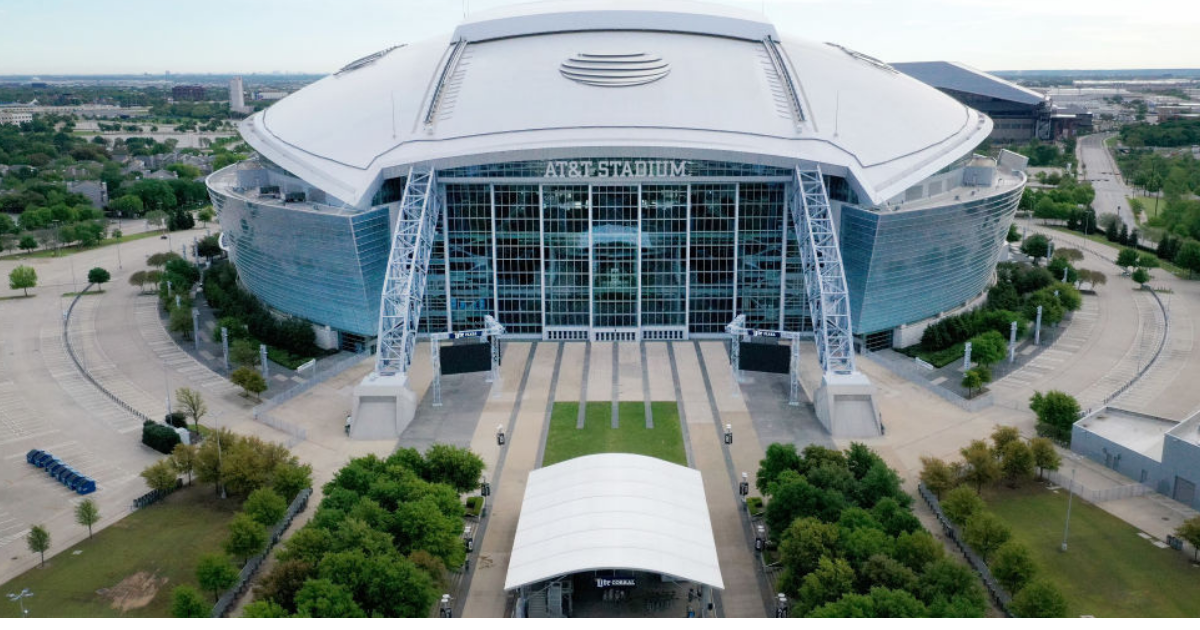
(66, 475)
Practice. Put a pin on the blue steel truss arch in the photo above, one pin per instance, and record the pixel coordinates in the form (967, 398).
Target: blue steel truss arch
(408, 265)
(824, 278)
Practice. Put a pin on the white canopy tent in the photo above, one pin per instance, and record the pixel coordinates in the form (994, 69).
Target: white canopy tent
(614, 511)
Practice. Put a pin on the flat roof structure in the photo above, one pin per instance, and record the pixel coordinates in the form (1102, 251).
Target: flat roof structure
(1138, 432)
(614, 511)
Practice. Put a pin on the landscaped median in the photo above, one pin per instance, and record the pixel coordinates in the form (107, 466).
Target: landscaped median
(567, 441)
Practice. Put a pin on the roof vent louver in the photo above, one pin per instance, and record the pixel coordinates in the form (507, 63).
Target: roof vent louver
(614, 70)
(865, 58)
(365, 61)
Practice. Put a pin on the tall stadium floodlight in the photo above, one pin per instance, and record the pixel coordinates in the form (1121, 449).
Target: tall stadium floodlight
(196, 328)
(1012, 342)
(20, 599)
(262, 358)
(384, 404)
(736, 329)
(490, 334)
(845, 401)
(225, 346)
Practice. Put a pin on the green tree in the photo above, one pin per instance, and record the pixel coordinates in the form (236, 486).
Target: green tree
(1128, 257)
(802, 546)
(1003, 435)
(1056, 412)
(183, 459)
(246, 537)
(264, 609)
(180, 321)
(1013, 234)
(87, 514)
(243, 352)
(161, 476)
(161, 259)
(832, 579)
(1045, 457)
(779, 457)
(27, 243)
(289, 478)
(192, 403)
(961, 504)
(186, 603)
(1189, 257)
(981, 466)
(975, 378)
(283, 582)
(205, 215)
(1013, 566)
(215, 573)
(951, 589)
(1039, 599)
(1189, 530)
(937, 476)
(156, 218)
(38, 540)
(127, 206)
(917, 549)
(22, 277)
(985, 532)
(249, 380)
(324, 599)
(1016, 461)
(1140, 276)
(209, 247)
(988, 348)
(383, 584)
(1036, 246)
(265, 506)
(98, 275)
(454, 466)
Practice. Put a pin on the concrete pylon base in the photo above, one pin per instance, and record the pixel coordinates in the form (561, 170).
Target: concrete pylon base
(383, 407)
(845, 405)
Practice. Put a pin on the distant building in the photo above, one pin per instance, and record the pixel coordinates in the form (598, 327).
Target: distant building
(270, 95)
(15, 117)
(1156, 452)
(237, 98)
(95, 190)
(1019, 114)
(161, 174)
(188, 92)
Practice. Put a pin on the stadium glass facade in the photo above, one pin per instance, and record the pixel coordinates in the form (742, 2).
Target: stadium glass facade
(565, 251)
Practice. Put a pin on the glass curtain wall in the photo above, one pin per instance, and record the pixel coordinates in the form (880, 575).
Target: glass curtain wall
(615, 256)
(518, 258)
(713, 211)
(469, 241)
(566, 250)
(760, 253)
(664, 256)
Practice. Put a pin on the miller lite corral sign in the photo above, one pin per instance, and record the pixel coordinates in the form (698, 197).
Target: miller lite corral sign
(615, 169)
(610, 582)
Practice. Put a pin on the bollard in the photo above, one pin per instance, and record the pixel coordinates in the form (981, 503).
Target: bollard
(729, 434)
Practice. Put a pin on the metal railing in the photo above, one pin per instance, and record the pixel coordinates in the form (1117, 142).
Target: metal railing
(1097, 496)
(997, 592)
(298, 433)
(255, 562)
(83, 370)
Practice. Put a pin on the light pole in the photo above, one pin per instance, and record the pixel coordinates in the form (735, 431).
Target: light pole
(19, 597)
(1070, 497)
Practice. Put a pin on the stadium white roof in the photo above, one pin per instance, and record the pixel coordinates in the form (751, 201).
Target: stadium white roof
(614, 511)
(952, 75)
(700, 81)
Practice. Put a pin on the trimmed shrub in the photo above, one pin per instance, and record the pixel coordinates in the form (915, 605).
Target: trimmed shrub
(159, 437)
(176, 419)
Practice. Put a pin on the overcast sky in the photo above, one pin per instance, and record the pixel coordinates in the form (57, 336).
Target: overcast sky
(135, 36)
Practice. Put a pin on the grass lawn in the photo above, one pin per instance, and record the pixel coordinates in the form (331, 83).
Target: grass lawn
(1148, 205)
(132, 564)
(1166, 265)
(1108, 571)
(74, 249)
(664, 441)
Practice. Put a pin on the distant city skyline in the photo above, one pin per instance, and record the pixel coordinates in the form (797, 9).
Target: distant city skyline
(311, 36)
